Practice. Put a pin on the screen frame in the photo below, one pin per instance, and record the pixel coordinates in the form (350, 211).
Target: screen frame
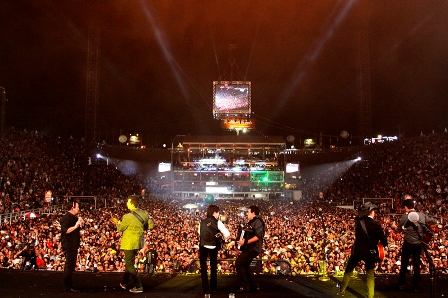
(218, 112)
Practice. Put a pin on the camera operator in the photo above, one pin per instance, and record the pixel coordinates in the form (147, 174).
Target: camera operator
(28, 255)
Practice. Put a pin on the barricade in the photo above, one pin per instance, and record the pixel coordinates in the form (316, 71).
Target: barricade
(283, 267)
(9, 217)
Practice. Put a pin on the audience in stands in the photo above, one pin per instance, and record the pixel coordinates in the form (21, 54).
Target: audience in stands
(299, 234)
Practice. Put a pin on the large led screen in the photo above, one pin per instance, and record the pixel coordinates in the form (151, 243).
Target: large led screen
(231, 97)
(292, 168)
(164, 167)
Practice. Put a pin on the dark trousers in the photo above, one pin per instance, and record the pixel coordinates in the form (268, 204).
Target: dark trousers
(408, 251)
(370, 273)
(203, 254)
(70, 264)
(129, 270)
(245, 274)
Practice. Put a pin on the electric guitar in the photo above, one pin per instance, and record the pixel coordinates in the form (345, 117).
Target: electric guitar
(114, 220)
(428, 233)
(381, 252)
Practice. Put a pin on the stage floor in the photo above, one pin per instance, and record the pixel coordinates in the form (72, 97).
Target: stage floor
(18, 283)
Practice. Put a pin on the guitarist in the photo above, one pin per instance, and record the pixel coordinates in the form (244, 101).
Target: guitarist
(363, 249)
(211, 231)
(251, 247)
(412, 244)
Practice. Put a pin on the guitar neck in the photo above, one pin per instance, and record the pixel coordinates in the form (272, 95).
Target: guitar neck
(241, 238)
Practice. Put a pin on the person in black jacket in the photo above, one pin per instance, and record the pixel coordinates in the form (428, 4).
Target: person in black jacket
(363, 245)
(412, 244)
(211, 229)
(71, 237)
(251, 247)
(28, 255)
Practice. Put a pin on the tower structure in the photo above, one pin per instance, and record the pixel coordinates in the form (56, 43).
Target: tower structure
(3, 108)
(232, 61)
(363, 87)
(92, 86)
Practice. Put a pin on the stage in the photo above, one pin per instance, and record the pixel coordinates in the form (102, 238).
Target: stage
(18, 283)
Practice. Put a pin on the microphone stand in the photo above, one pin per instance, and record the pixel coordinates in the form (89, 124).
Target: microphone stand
(432, 269)
(323, 264)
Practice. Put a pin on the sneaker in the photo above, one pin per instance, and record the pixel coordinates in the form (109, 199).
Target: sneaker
(339, 286)
(136, 290)
(122, 286)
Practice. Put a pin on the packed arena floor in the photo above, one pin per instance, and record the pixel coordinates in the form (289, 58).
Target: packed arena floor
(299, 233)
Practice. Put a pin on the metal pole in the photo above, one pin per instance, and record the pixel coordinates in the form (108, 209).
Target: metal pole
(3, 109)
(172, 169)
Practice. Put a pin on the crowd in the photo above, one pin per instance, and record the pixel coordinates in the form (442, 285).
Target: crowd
(418, 166)
(299, 233)
(31, 164)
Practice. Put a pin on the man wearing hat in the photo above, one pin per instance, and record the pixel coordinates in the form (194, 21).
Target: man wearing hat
(412, 244)
(368, 233)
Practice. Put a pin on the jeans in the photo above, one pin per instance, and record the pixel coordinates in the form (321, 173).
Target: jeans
(70, 264)
(129, 271)
(370, 274)
(245, 274)
(408, 251)
(203, 254)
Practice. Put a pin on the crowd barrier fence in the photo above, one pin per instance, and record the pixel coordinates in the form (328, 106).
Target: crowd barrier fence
(9, 217)
(283, 267)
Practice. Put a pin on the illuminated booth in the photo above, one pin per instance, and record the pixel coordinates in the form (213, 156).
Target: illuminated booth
(228, 167)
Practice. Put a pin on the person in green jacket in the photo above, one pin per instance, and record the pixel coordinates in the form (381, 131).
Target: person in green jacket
(133, 225)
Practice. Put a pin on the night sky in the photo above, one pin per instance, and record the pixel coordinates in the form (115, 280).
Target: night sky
(159, 59)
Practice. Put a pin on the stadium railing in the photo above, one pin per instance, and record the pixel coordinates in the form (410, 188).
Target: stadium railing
(9, 217)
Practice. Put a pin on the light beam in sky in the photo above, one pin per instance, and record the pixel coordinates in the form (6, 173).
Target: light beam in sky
(164, 47)
(314, 52)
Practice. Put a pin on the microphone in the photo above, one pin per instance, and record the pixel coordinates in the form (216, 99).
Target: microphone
(81, 222)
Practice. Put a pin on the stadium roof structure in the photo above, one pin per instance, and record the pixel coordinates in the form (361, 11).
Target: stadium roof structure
(241, 141)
